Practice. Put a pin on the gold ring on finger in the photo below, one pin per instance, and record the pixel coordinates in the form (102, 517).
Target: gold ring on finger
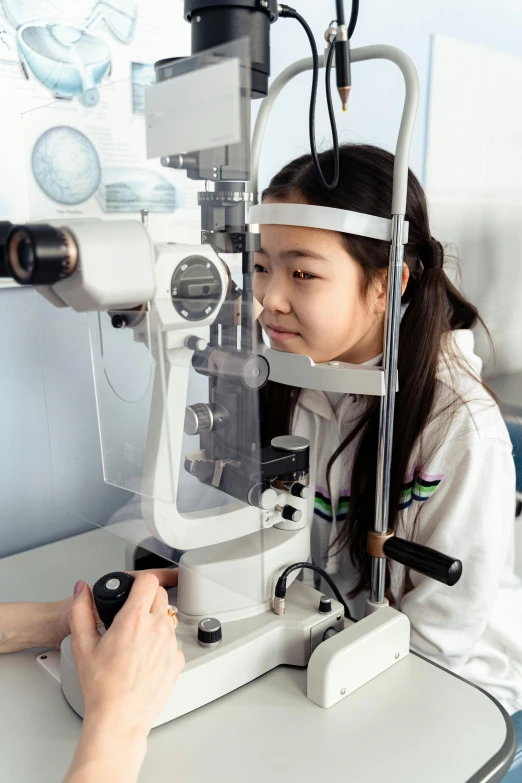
(173, 613)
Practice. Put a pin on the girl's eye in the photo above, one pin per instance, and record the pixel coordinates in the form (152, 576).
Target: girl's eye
(259, 268)
(300, 275)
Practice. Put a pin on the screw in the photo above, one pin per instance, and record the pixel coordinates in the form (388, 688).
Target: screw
(255, 372)
(343, 691)
(215, 168)
(397, 655)
(214, 175)
(338, 617)
(198, 18)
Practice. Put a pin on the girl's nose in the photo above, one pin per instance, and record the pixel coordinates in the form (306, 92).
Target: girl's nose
(275, 299)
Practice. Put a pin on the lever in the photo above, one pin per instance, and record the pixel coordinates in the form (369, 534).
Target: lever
(429, 562)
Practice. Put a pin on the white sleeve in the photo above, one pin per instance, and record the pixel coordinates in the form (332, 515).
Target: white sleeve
(469, 516)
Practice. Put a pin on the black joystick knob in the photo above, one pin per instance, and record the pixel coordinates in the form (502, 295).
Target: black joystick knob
(110, 593)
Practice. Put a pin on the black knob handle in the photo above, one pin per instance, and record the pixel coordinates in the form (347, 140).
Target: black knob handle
(429, 562)
(300, 491)
(325, 604)
(110, 593)
(291, 514)
(209, 632)
(198, 418)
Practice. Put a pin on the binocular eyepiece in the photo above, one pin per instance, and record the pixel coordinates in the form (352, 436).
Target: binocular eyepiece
(37, 254)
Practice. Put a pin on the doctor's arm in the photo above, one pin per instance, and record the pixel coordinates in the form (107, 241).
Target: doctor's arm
(31, 624)
(126, 677)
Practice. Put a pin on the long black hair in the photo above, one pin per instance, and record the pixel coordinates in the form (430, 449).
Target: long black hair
(435, 308)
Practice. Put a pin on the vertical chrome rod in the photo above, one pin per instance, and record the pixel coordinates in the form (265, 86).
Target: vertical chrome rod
(387, 410)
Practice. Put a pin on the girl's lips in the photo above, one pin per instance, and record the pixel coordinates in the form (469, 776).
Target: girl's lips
(280, 336)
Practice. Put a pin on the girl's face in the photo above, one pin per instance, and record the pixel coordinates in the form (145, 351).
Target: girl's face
(311, 290)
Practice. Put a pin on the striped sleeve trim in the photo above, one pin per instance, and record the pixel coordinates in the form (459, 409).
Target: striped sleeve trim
(323, 506)
(418, 487)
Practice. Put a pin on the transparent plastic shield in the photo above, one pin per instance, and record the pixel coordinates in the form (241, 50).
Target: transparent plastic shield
(129, 377)
(177, 385)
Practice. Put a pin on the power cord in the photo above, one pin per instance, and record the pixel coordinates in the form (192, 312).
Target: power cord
(291, 13)
(353, 16)
(280, 590)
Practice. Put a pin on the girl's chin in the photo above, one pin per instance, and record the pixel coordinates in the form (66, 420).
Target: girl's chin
(291, 346)
(300, 349)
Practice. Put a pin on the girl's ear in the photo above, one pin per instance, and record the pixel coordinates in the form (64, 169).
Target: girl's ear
(381, 287)
(380, 292)
(405, 276)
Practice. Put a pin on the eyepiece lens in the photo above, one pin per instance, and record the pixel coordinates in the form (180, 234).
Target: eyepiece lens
(26, 254)
(39, 254)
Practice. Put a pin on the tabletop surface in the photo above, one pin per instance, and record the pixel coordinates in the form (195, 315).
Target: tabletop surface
(415, 722)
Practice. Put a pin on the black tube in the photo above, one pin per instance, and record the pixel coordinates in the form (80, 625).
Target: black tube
(353, 18)
(429, 562)
(331, 115)
(291, 13)
(340, 12)
(248, 341)
(215, 24)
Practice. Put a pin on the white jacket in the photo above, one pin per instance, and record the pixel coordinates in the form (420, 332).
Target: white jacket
(464, 494)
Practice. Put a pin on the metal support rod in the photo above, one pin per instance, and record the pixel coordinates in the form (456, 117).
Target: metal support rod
(387, 410)
(247, 309)
(360, 54)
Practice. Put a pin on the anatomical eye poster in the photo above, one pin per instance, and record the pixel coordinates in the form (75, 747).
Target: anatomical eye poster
(72, 80)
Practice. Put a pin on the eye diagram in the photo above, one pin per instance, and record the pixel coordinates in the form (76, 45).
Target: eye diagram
(65, 165)
(132, 189)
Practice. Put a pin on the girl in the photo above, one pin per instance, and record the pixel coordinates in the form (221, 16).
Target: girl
(452, 474)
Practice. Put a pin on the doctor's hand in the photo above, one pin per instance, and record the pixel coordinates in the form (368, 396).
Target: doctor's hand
(167, 577)
(126, 677)
(132, 668)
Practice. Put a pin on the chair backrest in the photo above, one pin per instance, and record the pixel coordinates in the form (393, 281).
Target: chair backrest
(514, 425)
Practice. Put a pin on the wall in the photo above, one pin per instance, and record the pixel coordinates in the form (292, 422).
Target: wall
(376, 97)
(31, 511)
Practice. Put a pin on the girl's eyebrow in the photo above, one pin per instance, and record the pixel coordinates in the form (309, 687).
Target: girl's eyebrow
(289, 255)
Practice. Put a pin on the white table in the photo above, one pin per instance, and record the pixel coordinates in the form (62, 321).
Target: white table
(415, 722)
